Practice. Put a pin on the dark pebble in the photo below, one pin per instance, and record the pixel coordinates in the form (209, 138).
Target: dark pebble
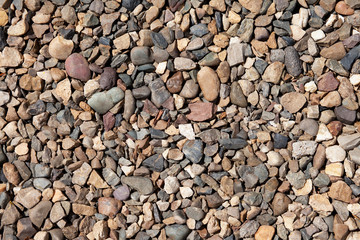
(292, 61)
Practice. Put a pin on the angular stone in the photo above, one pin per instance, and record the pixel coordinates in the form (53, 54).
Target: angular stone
(141, 184)
(201, 111)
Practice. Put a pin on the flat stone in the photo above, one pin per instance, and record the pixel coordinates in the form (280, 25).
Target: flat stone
(336, 51)
(293, 101)
(184, 64)
(303, 148)
(108, 206)
(141, 55)
(235, 52)
(10, 57)
(233, 143)
(193, 150)
(38, 213)
(327, 82)
(273, 72)
(141, 184)
(154, 163)
(348, 142)
(335, 153)
(321, 204)
(340, 191)
(345, 115)
(201, 111)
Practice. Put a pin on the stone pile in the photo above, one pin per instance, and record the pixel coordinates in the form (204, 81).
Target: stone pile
(180, 119)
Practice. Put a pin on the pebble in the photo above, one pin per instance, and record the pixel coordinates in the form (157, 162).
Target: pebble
(292, 61)
(141, 184)
(10, 57)
(293, 101)
(60, 48)
(141, 55)
(108, 78)
(122, 193)
(77, 67)
(209, 83)
(237, 96)
(201, 111)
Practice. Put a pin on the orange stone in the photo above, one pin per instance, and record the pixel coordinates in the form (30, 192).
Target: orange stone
(265, 233)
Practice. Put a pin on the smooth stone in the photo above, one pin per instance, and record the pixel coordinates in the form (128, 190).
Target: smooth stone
(209, 83)
(292, 61)
(60, 48)
(122, 193)
(141, 55)
(77, 67)
(177, 231)
(108, 78)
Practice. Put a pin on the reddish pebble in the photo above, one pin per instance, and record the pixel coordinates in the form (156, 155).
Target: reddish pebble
(335, 127)
(201, 111)
(174, 84)
(327, 82)
(109, 206)
(109, 121)
(343, 9)
(77, 67)
(11, 173)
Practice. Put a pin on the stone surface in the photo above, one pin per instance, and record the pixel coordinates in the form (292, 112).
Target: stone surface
(77, 67)
(293, 101)
(60, 48)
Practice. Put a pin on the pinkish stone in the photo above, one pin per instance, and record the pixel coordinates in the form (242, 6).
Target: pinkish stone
(77, 67)
(122, 193)
(201, 111)
(327, 82)
(109, 121)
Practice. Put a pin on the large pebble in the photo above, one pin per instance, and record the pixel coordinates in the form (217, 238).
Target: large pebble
(60, 48)
(209, 83)
(293, 101)
(141, 55)
(77, 67)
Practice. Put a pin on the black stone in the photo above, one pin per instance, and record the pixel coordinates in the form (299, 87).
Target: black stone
(280, 141)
